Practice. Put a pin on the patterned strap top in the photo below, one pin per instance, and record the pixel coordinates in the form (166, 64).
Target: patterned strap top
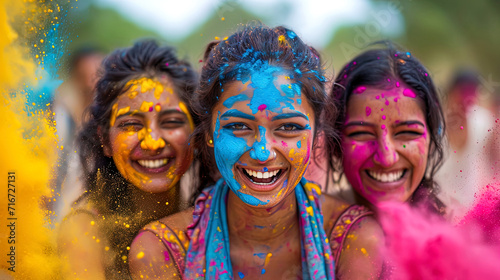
(342, 226)
(176, 243)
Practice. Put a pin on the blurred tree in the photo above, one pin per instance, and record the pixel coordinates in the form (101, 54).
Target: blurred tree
(444, 35)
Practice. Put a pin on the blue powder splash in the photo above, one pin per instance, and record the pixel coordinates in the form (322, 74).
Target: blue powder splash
(259, 151)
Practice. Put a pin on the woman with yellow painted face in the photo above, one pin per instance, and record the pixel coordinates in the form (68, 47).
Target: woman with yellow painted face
(134, 149)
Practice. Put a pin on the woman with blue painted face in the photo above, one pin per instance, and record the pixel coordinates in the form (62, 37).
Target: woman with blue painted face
(260, 98)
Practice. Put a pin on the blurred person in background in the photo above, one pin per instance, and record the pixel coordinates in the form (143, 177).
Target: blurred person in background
(468, 166)
(70, 101)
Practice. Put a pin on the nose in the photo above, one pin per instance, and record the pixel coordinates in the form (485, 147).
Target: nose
(386, 154)
(261, 149)
(152, 140)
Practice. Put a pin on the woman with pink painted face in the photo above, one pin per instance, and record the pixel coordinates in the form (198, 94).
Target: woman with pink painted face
(392, 128)
(134, 149)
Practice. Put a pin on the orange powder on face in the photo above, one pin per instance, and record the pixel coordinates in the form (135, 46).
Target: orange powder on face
(146, 84)
(146, 106)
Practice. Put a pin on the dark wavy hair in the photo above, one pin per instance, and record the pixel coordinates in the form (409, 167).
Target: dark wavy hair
(232, 59)
(103, 182)
(373, 68)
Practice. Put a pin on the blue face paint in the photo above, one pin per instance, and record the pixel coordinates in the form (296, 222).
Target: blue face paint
(299, 144)
(233, 99)
(259, 151)
(237, 114)
(265, 92)
(290, 115)
(241, 275)
(227, 150)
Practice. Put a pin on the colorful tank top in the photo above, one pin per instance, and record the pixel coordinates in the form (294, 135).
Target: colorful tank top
(342, 226)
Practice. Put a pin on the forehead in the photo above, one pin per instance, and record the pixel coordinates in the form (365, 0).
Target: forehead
(371, 101)
(272, 93)
(148, 90)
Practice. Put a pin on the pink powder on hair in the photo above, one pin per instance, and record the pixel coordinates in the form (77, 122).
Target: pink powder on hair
(360, 89)
(421, 245)
(408, 92)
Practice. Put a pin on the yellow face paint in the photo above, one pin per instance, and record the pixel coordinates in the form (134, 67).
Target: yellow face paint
(185, 110)
(146, 106)
(146, 85)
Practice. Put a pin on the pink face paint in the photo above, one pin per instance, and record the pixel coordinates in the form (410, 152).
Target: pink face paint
(409, 93)
(397, 84)
(387, 102)
(377, 97)
(395, 99)
(383, 117)
(368, 111)
(167, 256)
(284, 144)
(262, 107)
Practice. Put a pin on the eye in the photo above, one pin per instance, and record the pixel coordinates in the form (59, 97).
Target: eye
(131, 125)
(361, 135)
(236, 126)
(290, 127)
(410, 134)
(172, 123)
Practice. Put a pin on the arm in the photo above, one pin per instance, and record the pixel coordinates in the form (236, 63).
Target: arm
(361, 256)
(81, 246)
(150, 259)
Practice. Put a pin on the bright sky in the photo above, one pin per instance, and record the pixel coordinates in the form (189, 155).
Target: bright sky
(313, 20)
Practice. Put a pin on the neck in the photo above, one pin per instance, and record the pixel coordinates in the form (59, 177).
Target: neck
(153, 206)
(262, 225)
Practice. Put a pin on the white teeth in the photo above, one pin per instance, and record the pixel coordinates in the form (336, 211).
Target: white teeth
(153, 163)
(386, 177)
(261, 175)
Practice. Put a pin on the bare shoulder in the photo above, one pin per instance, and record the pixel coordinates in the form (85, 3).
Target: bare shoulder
(362, 248)
(149, 257)
(179, 221)
(331, 207)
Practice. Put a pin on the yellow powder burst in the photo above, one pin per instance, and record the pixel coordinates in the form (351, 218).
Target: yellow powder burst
(27, 149)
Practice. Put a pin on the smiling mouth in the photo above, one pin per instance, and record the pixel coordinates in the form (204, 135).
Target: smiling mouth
(386, 177)
(263, 178)
(157, 163)
(154, 165)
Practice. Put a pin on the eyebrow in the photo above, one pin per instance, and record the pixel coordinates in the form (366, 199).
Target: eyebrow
(359, 123)
(410, 123)
(237, 114)
(290, 115)
(162, 113)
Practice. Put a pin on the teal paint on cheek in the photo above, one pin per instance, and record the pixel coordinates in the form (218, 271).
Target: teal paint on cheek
(299, 144)
(227, 150)
(233, 99)
(259, 151)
